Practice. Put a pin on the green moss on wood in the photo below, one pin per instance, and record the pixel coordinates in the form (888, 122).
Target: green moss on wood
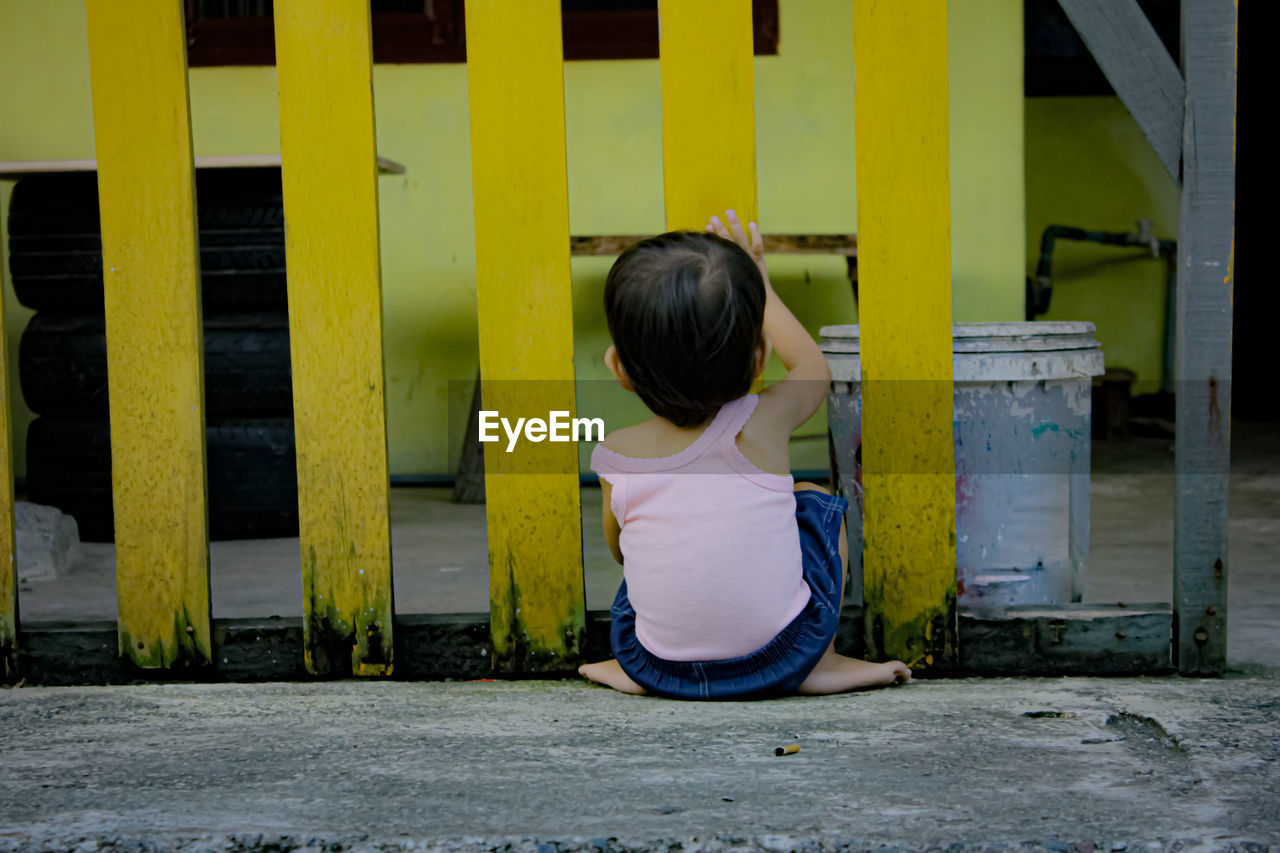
(337, 642)
(181, 650)
(515, 650)
(8, 648)
(928, 642)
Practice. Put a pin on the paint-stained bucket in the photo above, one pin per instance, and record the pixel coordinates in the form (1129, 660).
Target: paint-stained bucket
(1022, 428)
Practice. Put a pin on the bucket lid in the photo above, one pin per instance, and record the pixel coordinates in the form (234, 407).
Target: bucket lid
(986, 337)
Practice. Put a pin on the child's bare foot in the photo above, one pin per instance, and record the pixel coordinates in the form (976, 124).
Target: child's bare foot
(608, 673)
(837, 673)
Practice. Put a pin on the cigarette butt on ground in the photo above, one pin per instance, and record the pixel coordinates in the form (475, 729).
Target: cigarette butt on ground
(789, 749)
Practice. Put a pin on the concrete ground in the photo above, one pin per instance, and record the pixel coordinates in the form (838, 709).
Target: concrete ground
(989, 764)
(1077, 764)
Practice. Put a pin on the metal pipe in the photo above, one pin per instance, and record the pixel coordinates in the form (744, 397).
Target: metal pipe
(1040, 286)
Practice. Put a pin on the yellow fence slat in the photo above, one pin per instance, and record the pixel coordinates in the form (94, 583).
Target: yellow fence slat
(150, 258)
(904, 270)
(8, 555)
(515, 75)
(327, 144)
(708, 110)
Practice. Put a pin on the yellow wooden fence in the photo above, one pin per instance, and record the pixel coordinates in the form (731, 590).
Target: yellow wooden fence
(904, 307)
(146, 195)
(145, 165)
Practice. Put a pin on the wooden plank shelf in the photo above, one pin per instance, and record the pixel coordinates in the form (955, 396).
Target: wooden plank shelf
(13, 169)
(774, 244)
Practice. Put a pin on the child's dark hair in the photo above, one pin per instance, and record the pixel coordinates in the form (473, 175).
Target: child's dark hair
(686, 313)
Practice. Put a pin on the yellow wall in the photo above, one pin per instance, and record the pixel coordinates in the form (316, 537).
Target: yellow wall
(1089, 165)
(804, 112)
(988, 213)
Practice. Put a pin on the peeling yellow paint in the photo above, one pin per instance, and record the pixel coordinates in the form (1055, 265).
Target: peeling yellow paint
(146, 194)
(327, 143)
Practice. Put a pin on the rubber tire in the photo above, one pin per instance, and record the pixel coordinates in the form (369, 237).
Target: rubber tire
(62, 366)
(55, 244)
(221, 291)
(252, 476)
(82, 257)
(67, 203)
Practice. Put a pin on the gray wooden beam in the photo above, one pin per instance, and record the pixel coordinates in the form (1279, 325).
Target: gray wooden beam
(1067, 639)
(1138, 67)
(844, 419)
(1206, 242)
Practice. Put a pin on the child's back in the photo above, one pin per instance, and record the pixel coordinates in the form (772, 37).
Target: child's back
(712, 551)
(733, 575)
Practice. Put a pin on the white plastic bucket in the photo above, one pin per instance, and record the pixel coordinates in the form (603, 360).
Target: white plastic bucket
(1022, 429)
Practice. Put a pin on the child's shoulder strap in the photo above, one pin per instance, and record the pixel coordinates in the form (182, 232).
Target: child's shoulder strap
(734, 416)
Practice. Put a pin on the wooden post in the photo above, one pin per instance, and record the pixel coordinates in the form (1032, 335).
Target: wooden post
(151, 270)
(515, 74)
(904, 247)
(708, 110)
(1206, 258)
(8, 550)
(1078, 530)
(1138, 67)
(327, 144)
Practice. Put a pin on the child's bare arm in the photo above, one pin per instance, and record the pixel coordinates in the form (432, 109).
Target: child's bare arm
(791, 402)
(612, 529)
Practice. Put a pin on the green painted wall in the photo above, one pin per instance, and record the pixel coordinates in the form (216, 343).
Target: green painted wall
(804, 117)
(987, 188)
(1089, 165)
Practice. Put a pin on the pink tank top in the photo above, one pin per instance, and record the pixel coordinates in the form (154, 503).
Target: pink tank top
(710, 544)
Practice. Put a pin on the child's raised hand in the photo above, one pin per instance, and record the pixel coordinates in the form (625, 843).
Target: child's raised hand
(754, 244)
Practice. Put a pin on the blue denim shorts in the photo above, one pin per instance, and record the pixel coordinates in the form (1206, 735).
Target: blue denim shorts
(779, 667)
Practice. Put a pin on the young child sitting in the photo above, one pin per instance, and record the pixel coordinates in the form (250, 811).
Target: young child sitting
(733, 573)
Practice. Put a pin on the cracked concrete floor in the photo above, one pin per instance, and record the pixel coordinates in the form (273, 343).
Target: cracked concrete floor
(989, 763)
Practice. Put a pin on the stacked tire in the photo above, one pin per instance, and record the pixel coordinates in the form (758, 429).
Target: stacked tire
(55, 258)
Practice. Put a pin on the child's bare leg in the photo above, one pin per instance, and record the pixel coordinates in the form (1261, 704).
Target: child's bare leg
(837, 673)
(610, 674)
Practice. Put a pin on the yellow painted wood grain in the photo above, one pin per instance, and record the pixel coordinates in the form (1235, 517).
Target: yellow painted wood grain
(904, 269)
(8, 555)
(151, 270)
(708, 110)
(515, 76)
(327, 144)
